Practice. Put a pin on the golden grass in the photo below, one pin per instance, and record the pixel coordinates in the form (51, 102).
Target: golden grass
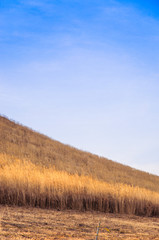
(23, 183)
(22, 142)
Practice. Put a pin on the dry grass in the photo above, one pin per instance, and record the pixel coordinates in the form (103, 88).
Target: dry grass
(20, 223)
(21, 142)
(23, 183)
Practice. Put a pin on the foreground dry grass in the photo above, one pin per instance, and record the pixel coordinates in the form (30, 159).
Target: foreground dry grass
(25, 184)
(19, 223)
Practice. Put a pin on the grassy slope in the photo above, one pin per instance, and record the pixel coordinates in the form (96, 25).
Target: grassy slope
(23, 142)
(26, 184)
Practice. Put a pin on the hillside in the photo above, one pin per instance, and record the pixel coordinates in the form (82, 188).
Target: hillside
(23, 143)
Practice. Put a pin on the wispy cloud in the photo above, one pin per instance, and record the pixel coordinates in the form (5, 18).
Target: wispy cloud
(34, 3)
(45, 6)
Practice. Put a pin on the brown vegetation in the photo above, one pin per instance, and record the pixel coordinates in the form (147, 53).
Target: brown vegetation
(39, 172)
(23, 183)
(24, 143)
(21, 223)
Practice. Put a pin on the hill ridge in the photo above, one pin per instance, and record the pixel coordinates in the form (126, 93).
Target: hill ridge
(25, 143)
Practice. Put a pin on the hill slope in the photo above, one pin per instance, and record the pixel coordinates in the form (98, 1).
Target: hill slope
(24, 143)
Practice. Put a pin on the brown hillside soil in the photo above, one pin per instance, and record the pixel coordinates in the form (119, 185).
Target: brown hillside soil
(18, 223)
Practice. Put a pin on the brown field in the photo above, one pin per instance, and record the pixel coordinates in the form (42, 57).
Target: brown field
(19, 223)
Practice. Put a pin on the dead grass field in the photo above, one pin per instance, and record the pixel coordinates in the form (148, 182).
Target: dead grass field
(25, 184)
(36, 171)
(19, 223)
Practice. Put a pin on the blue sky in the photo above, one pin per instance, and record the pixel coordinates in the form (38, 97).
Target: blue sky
(85, 73)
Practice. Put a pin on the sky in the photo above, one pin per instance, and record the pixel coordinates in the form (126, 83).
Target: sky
(85, 73)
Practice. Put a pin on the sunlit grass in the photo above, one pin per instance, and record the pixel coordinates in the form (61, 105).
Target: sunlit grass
(23, 183)
(24, 143)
